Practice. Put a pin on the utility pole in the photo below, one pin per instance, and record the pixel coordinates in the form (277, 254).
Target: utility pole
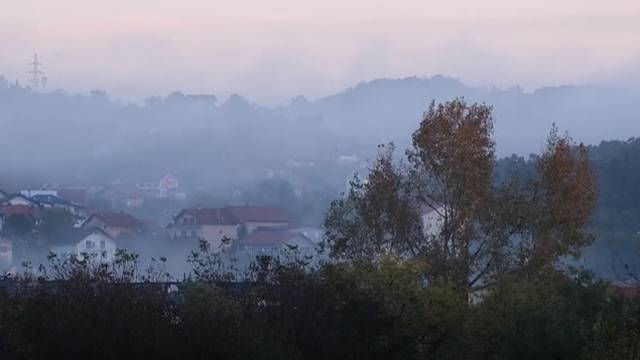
(38, 80)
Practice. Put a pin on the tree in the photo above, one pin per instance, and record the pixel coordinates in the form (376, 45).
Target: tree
(377, 216)
(54, 221)
(552, 317)
(489, 228)
(18, 225)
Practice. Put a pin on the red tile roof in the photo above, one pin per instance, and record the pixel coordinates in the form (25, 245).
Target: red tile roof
(118, 220)
(8, 210)
(210, 216)
(232, 215)
(259, 214)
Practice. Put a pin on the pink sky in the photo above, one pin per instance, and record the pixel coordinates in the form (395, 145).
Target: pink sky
(273, 50)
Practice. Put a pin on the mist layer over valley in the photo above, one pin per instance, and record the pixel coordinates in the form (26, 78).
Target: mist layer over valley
(80, 140)
(298, 156)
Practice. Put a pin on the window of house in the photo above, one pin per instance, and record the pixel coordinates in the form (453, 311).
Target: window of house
(103, 245)
(89, 244)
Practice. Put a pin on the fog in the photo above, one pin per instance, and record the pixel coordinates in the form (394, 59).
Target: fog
(90, 140)
(233, 151)
(319, 179)
(271, 52)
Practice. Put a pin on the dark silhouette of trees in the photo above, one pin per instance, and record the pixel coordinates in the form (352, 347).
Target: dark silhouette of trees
(18, 226)
(381, 310)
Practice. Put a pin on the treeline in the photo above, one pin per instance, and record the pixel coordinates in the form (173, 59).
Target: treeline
(204, 142)
(90, 140)
(336, 311)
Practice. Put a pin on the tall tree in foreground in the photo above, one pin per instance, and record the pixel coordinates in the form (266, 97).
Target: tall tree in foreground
(486, 229)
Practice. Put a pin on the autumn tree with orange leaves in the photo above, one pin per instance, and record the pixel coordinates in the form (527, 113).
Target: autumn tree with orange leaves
(488, 230)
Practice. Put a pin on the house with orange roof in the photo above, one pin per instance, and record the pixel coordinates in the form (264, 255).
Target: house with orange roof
(220, 226)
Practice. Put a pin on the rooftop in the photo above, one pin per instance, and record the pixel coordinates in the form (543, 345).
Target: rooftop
(117, 219)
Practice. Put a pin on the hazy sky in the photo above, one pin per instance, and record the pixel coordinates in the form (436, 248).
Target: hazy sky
(271, 50)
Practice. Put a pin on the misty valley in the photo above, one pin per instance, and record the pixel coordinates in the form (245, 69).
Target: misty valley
(408, 218)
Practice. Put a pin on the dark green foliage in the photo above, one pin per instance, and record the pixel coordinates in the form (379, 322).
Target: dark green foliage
(552, 318)
(364, 311)
(18, 226)
(54, 221)
(338, 311)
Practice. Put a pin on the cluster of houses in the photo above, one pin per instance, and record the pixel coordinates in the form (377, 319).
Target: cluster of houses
(133, 194)
(241, 230)
(30, 206)
(101, 234)
(245, 230)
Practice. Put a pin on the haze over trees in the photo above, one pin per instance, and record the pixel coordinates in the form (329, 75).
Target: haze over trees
(216, 147)
(392, 290)
(211, 142)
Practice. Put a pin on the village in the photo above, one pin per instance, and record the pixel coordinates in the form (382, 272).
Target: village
(35, 223)
(38, 223)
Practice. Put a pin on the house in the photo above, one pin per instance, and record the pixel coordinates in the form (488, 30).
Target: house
(31, 214)
(124, 194)
(252, 217)
(41, 192)
(6, 253)
(51, 201)
(17, 199)
(90, 241)
(212, 225)
(165, 187)
(432, 217)
(272, 243)
(114, 224)
(314, 234)
(217, 224)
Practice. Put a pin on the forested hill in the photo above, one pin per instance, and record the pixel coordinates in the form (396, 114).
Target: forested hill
(390, 109)
(97, 140)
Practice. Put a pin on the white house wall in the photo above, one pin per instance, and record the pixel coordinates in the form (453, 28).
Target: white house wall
(93, 244)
